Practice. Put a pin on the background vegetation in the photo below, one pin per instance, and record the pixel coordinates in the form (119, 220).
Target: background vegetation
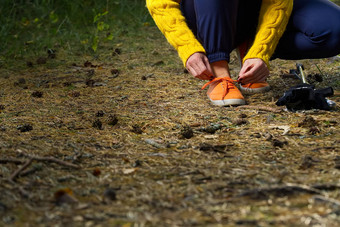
(31, 26)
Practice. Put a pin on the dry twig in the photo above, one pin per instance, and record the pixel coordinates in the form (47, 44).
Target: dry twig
(36, 158)
(11, 160)
(264, 108)
(285, 190)
(54, 160)
(22, 168)
(330, 201)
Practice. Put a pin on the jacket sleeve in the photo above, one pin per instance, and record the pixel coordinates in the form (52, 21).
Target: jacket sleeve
(274, 17)
(169, 19)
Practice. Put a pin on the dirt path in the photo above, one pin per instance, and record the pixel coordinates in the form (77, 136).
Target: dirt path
(128, 138)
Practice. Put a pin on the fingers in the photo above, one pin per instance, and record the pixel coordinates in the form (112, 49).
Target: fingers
(198, 65)
(207, 64)
(253, 70)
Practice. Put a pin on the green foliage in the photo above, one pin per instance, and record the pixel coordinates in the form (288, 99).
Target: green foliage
(101, 26)
(30, 26)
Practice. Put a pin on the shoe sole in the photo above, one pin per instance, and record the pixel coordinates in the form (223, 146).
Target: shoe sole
(254, 90)
(228, 102)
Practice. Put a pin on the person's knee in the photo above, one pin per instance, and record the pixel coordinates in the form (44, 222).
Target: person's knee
(335, 38)
(332, 41)
(328, 37)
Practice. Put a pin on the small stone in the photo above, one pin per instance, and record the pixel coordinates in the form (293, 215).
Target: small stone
(137, 163)
(187, 132)
(211, 129)
(74, 94)
(25, 128)
(100, 113)
(37, 94)
(112, 120)
(90, 83)
(314, 130)
(78, 218)
(240, 121)
(205, 147)
(242, 115)
(99, 84)
(110, 195)
(137, 129)
(278, 143)
(115, 72)
(97, 124)
(256, 135)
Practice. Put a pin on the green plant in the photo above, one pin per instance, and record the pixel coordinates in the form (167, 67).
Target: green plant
(101, 26)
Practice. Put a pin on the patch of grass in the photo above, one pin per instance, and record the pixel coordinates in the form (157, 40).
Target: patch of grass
(31, 27)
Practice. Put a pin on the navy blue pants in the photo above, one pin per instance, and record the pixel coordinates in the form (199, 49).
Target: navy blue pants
(313, 30)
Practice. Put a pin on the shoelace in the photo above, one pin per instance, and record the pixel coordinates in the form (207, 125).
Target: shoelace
(247, 85)
(227, 83)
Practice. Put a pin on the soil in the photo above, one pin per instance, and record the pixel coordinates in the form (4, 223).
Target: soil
(127, 138)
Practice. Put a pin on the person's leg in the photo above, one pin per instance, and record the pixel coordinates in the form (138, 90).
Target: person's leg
(313, 31)
(214, 24)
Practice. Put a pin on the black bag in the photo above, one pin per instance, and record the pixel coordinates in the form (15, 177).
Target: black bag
(305, 97)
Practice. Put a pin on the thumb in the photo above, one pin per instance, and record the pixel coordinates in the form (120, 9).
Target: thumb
(207, 64)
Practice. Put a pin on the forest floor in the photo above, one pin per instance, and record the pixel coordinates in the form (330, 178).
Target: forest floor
(127, 138)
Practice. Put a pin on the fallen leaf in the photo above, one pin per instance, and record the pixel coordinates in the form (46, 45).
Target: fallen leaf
(129, 171)
(63, 196)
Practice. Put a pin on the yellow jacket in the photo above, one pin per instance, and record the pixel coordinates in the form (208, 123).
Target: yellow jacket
(273, 19)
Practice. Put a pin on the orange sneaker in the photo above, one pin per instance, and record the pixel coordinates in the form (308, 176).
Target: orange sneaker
(252, 88)
(223, 92)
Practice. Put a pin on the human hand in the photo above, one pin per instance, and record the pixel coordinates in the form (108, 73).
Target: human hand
(253, 70)
(198, 65)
